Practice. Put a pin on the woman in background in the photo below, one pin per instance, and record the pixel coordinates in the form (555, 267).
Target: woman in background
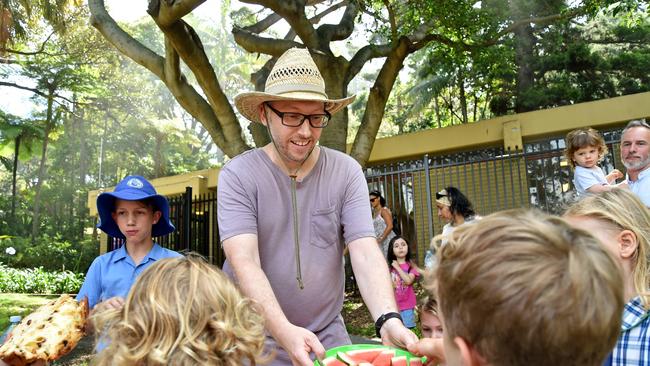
(454, 208)
(382, 220)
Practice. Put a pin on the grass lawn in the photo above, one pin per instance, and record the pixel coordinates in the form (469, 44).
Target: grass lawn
(19, 304)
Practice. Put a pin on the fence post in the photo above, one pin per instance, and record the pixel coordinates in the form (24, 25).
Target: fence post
(427, 180)
(186, 236)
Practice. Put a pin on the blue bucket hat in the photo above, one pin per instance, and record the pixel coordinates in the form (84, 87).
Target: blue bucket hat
(132, 188)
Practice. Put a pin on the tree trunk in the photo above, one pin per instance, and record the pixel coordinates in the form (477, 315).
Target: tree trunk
(41, 169)
(13, 178)
(524, 43)
(462, 98)
(436, 108)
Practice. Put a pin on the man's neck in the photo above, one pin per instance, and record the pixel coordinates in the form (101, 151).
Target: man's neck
(300, 170)
(633, 175)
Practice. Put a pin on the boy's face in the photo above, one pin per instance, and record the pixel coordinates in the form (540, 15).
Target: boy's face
(135, 219)
(431, 325)
(586, 157)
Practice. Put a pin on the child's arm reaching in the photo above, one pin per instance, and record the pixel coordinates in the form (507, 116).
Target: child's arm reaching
(597, 188)
(613, 176)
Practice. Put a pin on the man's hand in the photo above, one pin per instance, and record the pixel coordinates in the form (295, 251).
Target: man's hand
(299, 342)
(431, 348)
(394, 333)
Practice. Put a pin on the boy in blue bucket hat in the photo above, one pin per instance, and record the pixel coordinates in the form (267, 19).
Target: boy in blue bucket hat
(135, 212)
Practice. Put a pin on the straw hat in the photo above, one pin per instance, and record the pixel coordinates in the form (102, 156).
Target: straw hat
(294, 77)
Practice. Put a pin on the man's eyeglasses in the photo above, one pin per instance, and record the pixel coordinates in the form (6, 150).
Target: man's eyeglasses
(293, 119)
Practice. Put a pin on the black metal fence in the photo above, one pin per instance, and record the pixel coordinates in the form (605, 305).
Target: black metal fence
(493, 179)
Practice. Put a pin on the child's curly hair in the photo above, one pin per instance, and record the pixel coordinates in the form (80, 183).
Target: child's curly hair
(182, 311)
(582, 137)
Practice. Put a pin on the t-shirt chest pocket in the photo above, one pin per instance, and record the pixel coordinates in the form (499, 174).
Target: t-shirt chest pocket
(325, 227)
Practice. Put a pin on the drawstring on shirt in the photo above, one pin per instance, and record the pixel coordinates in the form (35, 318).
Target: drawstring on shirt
(294, 204)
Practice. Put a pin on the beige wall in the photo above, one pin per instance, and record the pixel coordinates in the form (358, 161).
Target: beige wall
(601, 113)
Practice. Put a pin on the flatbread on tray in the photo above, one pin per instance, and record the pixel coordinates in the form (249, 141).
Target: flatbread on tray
(46, 334)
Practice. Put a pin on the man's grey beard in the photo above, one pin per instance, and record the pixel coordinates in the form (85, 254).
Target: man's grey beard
(638, 165)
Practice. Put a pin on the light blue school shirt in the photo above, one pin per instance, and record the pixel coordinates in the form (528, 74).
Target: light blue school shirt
(112, 274)
(641, 186)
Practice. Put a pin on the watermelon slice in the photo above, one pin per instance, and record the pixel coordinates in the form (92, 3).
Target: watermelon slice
(383, 359)
(346, 359)
(332, 361)
(364, 355)
(415, 361)
(399, 361)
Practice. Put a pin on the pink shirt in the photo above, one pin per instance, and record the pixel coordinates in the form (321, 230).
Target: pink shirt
(404, 294)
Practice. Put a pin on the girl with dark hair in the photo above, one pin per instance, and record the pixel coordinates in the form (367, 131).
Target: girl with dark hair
(382, 220)
(403, 273)
(454, 208)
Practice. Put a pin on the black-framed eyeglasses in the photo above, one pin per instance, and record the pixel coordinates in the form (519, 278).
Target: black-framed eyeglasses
(293, 119)
(373, 199)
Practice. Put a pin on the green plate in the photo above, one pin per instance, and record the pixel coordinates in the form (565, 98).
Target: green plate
(352, 347)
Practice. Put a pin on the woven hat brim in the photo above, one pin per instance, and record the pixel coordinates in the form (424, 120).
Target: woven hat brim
(248, 103)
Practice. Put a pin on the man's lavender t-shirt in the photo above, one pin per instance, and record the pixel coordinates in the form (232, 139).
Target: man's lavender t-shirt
(254, 197)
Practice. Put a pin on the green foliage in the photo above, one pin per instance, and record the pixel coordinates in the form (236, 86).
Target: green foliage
(49, 253)
(39, 281)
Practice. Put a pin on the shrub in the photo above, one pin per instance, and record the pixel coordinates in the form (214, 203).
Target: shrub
(39, 281)
(51, 253)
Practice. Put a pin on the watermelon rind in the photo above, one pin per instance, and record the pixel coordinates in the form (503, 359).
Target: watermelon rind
(351, 347)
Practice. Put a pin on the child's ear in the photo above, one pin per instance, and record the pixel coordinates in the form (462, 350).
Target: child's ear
(156, 216)
(627, 244)
(468, 354)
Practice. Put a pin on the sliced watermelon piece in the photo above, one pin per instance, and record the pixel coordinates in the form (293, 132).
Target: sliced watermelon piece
(346, 359)
(364, 355)
(365, 364)
(332, 361)
(399, 361)
(383, 359)
(415, 361)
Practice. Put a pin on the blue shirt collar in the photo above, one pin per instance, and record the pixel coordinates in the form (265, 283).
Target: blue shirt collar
(155, 253)
(633, 314)
(641, 175)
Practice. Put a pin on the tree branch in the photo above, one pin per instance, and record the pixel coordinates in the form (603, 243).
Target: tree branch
(187, 44)
(171, 10)
(377, 98)
(36, 91)
(41, 50)
(537, 20)
(341, 31)
(263, 24)
(293, 12)
(258, 44)
(121, 40)
(362, 56)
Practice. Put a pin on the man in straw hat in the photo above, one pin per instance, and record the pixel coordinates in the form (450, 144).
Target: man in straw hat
(287, 209)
